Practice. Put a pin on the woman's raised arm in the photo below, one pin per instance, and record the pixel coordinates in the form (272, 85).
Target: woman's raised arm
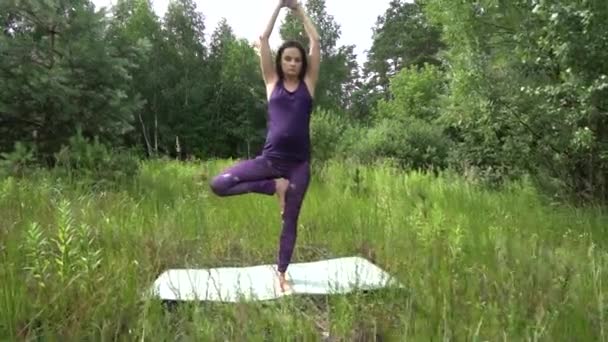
(268, 72)
(315, 46)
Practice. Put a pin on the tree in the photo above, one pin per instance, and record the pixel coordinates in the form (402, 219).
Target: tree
(238, 98)
(529, 88)
(187, 90)
(134, 23)
(402, 37)
(59, 75)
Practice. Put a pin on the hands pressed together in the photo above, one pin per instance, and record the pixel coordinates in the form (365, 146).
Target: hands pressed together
(291, 4)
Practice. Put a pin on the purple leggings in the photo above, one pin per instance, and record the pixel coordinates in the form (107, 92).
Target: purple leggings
(258, 176)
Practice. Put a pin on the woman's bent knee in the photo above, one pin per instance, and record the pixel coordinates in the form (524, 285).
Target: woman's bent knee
(218, 185)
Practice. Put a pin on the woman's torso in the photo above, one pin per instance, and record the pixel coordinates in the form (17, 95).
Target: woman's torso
(288, 118)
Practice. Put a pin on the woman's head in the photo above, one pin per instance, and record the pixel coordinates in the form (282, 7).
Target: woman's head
(291, 60)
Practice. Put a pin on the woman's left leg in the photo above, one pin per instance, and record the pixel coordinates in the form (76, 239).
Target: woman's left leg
(299, 180)
(247, 176)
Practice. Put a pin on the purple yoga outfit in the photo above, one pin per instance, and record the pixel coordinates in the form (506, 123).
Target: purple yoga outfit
(286, 154)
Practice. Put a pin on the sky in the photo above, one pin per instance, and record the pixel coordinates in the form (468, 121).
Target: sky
(248, 18)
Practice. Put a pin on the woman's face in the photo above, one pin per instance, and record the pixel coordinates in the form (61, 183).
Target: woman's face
(291, 62)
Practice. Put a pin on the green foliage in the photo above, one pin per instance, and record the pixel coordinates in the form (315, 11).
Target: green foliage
(412, 143)
(402, 37)
(64, 258)
(406, 126)
(76, 264)
(185, 28)
(513, 88)
(352, 135)
(17, 162)
(414, 93)
(238, 94)
(326, 131)
(132, 25)
(94, 163)
(528, 88)
(58, 73)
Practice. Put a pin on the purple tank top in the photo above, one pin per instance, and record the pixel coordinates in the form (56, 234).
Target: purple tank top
(288, 123)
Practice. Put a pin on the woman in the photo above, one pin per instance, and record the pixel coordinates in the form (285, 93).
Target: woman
(283, 167)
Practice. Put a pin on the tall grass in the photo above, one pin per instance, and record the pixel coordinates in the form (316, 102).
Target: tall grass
(478, 264)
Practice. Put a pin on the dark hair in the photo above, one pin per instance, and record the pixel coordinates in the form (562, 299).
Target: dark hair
(289, 44)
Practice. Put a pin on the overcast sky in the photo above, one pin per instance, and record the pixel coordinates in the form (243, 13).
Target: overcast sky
(248, 18)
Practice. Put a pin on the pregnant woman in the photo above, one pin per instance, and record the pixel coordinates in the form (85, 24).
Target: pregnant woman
(283, 167)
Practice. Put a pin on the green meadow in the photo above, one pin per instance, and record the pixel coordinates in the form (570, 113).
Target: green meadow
(76, 258)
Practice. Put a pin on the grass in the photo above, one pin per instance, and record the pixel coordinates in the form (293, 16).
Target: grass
(479, 265)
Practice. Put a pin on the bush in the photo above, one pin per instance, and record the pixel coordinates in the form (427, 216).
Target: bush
(413, 144)
(17, 162)
(415, 93)
(95, 163)
(326, 130)
(405, 130)
(349, 141)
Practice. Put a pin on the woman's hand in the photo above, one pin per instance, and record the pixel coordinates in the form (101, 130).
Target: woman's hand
(291, 4)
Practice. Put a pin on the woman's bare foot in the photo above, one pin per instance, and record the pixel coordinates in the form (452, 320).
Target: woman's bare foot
(284, 283)
(281, 186)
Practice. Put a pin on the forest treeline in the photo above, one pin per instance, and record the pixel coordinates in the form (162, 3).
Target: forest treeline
(492, 90)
